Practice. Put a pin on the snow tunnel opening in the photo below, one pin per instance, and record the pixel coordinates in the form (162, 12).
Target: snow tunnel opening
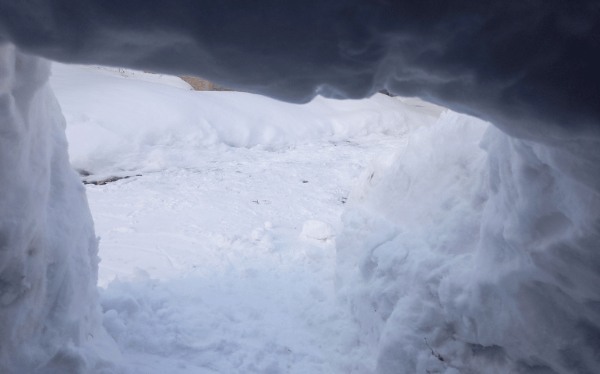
(502, 271)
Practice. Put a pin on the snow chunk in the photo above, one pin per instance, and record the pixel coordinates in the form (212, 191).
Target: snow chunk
(317, 230)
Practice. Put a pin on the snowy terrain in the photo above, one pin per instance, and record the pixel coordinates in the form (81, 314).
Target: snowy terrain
(375, 236)
(427, 244)
(460, 249)
(452, 248)
(219, 252)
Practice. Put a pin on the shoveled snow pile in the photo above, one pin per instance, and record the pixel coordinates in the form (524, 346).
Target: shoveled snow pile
(457, 259)
(409, 222)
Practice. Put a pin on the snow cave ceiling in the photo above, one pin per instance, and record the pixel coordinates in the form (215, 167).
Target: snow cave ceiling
(529, 67)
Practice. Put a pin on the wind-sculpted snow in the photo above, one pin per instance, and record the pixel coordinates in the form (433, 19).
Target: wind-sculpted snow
(49, 315)
(494, 270)
(520, 65)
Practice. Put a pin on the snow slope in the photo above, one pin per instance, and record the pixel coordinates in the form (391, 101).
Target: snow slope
(219, 253)
(172, 123)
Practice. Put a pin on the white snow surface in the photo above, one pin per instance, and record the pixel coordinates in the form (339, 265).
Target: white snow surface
(461, 259)
(536, 79)
(50, 321)
(459, 249)
(218, 253)
(154, 125)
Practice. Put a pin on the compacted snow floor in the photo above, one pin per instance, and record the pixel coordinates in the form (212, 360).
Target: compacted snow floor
(229, 267)
(218, 248)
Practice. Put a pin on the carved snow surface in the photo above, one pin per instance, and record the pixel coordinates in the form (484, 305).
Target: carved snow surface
(49, 314)
(458, 259)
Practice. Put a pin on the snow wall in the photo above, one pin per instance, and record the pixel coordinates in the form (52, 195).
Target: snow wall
(476, 253)
(49, 312)
(503, 275)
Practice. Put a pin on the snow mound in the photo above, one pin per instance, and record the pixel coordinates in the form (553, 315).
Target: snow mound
(461, 259)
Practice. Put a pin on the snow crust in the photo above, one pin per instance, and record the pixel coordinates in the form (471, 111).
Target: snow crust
(49, 315)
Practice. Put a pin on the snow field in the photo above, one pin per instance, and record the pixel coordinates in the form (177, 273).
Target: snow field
(229, 242)
(153, 126)
(219, 253)
(459, 249)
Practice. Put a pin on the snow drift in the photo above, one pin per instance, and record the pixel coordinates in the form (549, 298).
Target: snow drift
(156, 124)
(515, 291)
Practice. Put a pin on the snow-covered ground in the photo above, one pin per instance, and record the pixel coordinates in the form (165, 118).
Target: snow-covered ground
(386, 235)
(246, 235)
(219, 249)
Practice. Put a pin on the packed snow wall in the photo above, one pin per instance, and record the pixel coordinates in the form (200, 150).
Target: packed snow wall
(476, 254)
(506, 279)
(49, 314)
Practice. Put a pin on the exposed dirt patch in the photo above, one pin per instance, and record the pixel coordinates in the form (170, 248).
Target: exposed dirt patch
(200, 84)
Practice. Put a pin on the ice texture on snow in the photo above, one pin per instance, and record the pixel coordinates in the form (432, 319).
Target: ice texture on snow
(49, 315)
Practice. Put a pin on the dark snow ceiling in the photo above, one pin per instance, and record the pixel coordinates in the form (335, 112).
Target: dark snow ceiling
(517, 64)
(517, 293)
